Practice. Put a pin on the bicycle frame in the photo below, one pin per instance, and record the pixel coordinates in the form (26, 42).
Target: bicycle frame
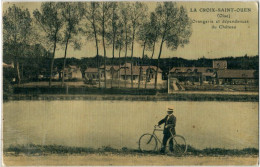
(154, 134)
(181, 148)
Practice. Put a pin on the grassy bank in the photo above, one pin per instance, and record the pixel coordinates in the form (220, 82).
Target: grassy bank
(159, 97)
(58, 149)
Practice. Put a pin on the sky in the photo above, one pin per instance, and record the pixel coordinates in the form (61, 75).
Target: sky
(204, 41)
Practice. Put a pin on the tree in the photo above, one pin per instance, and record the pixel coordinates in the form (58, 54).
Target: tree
(50, 20)
(152, 38)
(137, 15)
(91, 13)
(72, 14)
(119, 45)
(174, 28)
(105, 14)
(114, 32)
(125, 11)
(142, 38)
(17, 26)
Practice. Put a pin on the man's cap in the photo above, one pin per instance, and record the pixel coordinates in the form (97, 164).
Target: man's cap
(170, 108)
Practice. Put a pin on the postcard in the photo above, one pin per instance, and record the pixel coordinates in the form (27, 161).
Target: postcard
(127, 83)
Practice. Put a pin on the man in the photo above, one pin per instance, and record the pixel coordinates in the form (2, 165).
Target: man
(169, 124)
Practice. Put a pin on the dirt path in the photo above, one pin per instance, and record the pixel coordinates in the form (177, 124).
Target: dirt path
(116, 159)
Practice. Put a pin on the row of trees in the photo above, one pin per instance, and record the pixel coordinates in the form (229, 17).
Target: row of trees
(118, 25)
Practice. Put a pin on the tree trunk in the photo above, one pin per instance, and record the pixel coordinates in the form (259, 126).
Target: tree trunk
(148, 74)
(125, 51)
(22, 74)
(52, 60)
(18, 73)
(140, 71)
(132, 82)
(64, 61)
(159, 56)
(119, 69)
(113, 51)
(104, 47)
(113, 54)
(96, 40)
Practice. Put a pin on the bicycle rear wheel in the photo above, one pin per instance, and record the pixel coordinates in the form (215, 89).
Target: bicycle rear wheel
(147, 143)
(179, 146)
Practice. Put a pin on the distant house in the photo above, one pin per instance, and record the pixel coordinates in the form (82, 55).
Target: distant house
(111, 70)
(192, 74)
(230, 76)
(147, 73)
(123, 72)
(55, 75)
(71, 72)
(91, 73)
(220, 64)
(150, 72)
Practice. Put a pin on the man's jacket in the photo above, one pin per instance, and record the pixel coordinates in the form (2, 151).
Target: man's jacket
(170, 122)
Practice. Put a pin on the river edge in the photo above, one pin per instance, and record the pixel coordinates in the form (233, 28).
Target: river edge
(178, 96)
(33, 149)
(109, 159)
(25, 155)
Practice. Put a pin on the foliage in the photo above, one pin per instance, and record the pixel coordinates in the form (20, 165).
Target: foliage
(17, 32)
(49, 19)
(32, 149)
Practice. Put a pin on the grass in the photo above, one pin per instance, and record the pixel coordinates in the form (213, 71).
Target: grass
(33, 149)
(135, 97)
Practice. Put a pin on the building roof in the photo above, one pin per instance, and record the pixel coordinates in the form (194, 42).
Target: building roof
(151, 67)
(128, 66)
(70, 69)
(91, 70)
(74, 67)
(236, 74)
(191, 69)
(220, 64)
(136, 70)
(108, 67)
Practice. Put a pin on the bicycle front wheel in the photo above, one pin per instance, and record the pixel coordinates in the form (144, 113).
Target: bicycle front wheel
(147, 143)
(179, 145)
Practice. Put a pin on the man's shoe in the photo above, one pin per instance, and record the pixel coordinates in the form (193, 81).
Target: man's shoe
(162, 151)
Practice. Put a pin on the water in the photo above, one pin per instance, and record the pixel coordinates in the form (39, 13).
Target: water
(120, 123)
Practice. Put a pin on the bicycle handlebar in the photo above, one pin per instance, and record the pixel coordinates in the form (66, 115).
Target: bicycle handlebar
(157, 126)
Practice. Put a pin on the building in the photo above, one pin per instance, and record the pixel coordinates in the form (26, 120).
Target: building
(220, 64)
(150, 72)
(111, 71)
(219, 74)
(193, 74)
(123, 72)
(91, 73)
(71, 72)
(230, 76)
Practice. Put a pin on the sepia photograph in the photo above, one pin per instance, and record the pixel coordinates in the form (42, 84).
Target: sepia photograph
(130, 83)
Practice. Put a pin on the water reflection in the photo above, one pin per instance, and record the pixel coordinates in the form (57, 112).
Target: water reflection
(121, 123)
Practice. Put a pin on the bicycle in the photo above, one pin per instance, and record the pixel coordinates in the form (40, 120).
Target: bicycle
(149, 143)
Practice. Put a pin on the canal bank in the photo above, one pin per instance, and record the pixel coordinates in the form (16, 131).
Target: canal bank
(176, 96)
